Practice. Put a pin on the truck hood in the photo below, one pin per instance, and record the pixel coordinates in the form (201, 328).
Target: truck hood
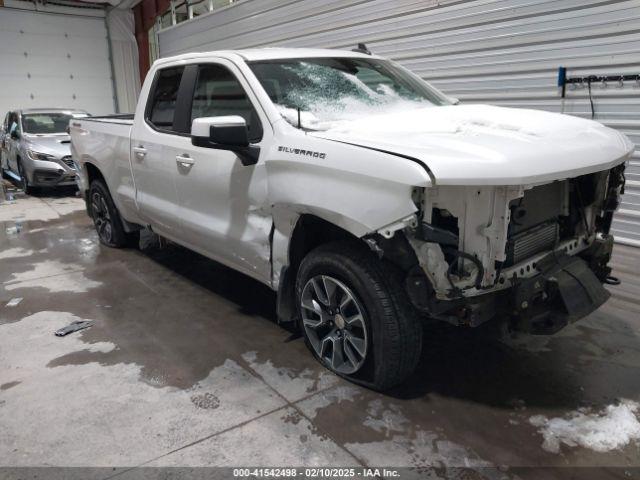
(57, 145)
(486, 145)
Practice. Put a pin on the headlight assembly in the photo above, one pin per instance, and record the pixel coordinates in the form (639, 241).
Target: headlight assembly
(39, 155)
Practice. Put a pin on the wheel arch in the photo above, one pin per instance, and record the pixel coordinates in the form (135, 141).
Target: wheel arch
(91, 173)
(296, 234)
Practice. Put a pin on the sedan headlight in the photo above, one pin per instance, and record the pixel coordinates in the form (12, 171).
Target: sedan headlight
(39, 155)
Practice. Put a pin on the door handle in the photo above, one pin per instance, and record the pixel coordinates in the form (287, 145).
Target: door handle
(184, 160)
(140, 152)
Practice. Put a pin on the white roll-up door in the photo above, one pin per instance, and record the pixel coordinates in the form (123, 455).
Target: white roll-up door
(54, 60)
(503, 52)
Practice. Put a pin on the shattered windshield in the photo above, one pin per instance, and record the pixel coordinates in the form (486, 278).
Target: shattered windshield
(322, 92)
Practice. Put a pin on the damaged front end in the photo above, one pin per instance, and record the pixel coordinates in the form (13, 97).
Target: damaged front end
(536, 254)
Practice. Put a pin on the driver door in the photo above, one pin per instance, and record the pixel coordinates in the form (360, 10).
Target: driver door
(12, 144)
(221, 200)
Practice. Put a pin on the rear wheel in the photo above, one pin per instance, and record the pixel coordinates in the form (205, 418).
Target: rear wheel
(106, 218)
(355, 316)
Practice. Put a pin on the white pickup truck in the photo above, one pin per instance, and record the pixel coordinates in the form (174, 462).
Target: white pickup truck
(361, 194)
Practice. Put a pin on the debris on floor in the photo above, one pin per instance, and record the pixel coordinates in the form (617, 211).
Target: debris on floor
(73, 327)
(609, 429)
(14, 302)
(14, 229)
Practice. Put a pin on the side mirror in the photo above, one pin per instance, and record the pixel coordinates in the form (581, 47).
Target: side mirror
(15, 135)
(225, 133)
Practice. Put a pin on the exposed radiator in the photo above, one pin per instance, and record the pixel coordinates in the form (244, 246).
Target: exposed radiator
(534, 240)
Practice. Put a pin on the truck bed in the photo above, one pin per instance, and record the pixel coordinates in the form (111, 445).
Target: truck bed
(124, 118)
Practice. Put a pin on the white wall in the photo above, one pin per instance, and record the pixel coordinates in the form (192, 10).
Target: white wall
(504, 52)
(124, 54)
(54, 60)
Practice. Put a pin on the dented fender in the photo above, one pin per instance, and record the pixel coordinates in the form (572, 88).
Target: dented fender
(358, 190)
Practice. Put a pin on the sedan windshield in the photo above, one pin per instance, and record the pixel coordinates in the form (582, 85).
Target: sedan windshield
(319, 92)
(43, 123)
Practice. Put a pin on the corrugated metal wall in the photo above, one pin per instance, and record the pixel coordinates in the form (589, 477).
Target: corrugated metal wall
(503, 52)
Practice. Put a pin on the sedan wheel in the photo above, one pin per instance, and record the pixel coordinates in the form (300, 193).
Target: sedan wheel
(24, 180)
(334, 324)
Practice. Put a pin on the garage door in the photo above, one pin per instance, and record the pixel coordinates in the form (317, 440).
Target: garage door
(504, 52)
(54, 60)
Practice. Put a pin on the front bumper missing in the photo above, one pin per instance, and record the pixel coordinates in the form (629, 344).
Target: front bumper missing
(565, 289)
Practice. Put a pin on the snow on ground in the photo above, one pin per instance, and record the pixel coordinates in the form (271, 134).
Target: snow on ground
(609, 429)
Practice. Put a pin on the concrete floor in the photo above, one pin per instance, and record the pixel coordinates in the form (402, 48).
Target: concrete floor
(186, 366)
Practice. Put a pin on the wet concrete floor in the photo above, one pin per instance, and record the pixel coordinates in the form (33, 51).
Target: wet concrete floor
(186, 366)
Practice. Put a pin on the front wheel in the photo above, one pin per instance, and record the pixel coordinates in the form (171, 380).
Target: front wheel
(24, 180)
(356, 317)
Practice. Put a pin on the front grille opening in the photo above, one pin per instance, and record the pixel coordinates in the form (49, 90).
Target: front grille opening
(68, 161)
(535, 222)
(47, 177)
(550, 213)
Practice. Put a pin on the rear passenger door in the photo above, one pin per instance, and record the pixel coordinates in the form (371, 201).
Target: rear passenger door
(153, 170)
(220, 199)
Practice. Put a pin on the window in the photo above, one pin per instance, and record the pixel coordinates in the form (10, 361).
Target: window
(163, 101)
(219, 93)
(14, 123)
(43, 123)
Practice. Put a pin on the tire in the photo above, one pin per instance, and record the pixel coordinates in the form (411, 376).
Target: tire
(390, 329)
(3, 171)
(24, 181)
(106, 217)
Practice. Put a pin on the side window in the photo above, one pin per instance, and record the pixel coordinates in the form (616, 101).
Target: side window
(218, 93)
(162, 101)
(14, 122)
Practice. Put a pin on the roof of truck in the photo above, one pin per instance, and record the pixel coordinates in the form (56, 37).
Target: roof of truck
(271, 53)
